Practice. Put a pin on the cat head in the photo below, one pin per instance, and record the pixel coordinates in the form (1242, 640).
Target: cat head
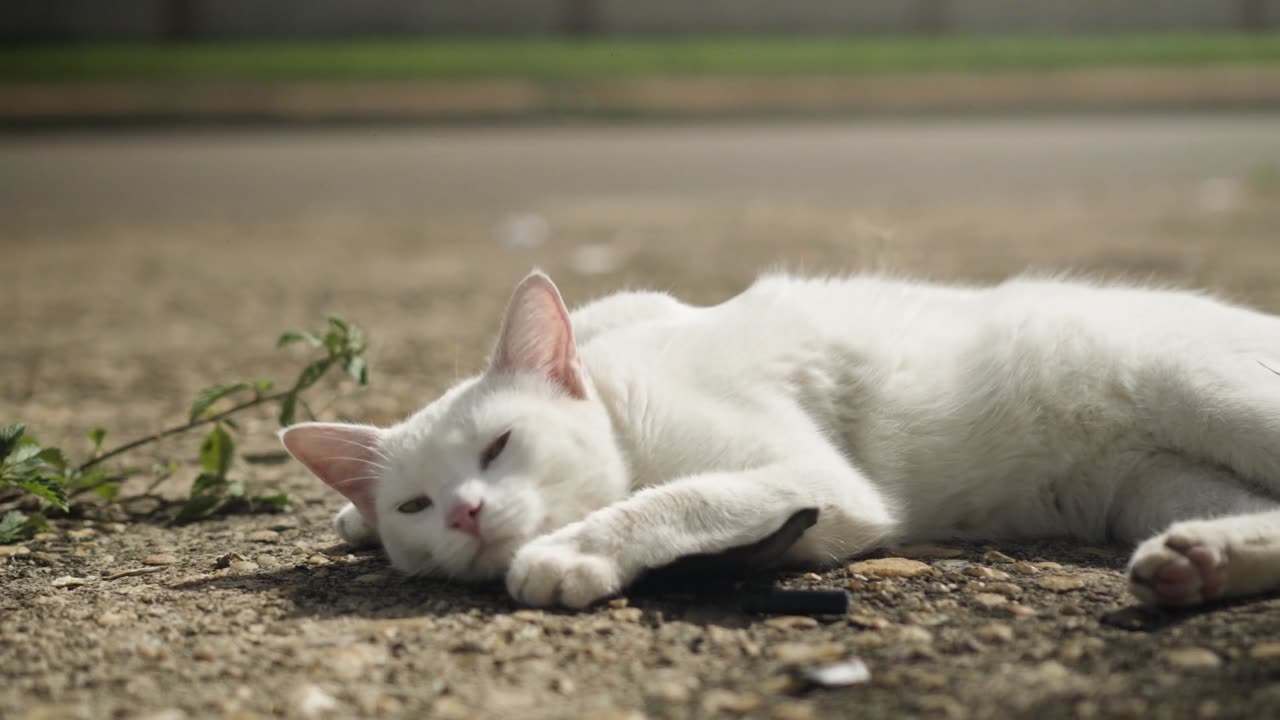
(520, 450)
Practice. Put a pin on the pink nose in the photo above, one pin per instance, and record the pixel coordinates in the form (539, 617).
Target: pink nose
(463, 517)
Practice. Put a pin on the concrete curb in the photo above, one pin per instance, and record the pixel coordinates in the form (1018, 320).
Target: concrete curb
(695, 97)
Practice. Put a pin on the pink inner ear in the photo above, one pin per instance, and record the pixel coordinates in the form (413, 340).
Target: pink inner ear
(345, 457)
(537, 336)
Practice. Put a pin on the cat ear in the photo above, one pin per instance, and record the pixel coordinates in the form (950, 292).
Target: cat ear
(344, 456)
(538, 337)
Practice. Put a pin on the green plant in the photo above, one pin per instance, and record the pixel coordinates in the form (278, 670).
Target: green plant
(28, 470)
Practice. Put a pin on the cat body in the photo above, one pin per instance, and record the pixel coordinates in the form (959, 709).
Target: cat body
(639, 430)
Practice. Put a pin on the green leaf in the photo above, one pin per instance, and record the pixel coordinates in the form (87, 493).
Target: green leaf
(53, 457)
(341, 326)
(312, 372)
(200, 507)
(288, 407)
(279, 501)
(16, 526)
(97, 435)
(47, 489)
(208, 484)
(261, 387)
(217, 451)
(107, 491)
(357, 369)
(212, 394)
(9, 437)
(294, 336)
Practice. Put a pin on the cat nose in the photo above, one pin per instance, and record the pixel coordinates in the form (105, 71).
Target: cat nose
(463, 517)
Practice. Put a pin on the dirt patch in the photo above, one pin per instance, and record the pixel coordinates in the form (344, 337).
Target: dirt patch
(119, 324)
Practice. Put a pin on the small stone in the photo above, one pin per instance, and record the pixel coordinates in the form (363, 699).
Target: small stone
(991, 600)
(668, 691)
(14, 550)
(838, 674)
(619, 602)
(369, 579)
(69, 581)
(890, 568)
(942, 705)
(159, 559)
(529, 615)
(108, 619)
(997, 557)
(1048, 565)
(791, 622)
(45, 558)
(562, 685)
(312, 701)
(627, 614)
(913, 634)
(807, 653)
(450, 708)
(266, 561)
(244, 566)
(264, 536)
(985, 573)
(82, 534)
(1060, 583)
(1020, 610)
(951, 565)
(871, 622)
(1024, 568)
(1004, 588)
(1192, 658)
(926, 551)
(995, 633)
(811, 577)
(794, 710)
(716, 701)
(1265, 651)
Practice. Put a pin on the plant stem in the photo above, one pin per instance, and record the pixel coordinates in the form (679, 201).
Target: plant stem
(261, 400)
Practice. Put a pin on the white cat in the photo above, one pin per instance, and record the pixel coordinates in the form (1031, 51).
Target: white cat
(639, 430)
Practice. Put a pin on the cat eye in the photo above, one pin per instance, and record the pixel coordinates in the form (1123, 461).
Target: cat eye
(495, 448)
(418, 504)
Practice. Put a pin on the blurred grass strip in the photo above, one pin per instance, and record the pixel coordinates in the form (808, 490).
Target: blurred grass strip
(550, 60)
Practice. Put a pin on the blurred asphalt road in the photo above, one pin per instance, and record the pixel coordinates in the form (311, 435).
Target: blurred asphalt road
(213, 174)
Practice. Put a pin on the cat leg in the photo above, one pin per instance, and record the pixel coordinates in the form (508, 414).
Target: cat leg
(1205, 534)
(1199, 561)
(700, 514)
(352, 528)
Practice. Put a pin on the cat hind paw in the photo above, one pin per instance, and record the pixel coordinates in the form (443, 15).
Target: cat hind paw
(1182, 567)
(352, 528)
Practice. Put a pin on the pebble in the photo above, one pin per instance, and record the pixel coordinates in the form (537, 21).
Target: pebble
(926, 551)
(1060, 583)
(1024, 568)
(955, 565)
(913, 634)
(369, 579)
(668, 691)
(1192, 658)
(82, 534)
(159, 559)
(716, 701)
(266, 561)
(69, 581)
(991, 600)
(1020, 610)
(890, 567)
(811, 577)
(14, 550)
(108, 619)
(839, 674)
(942, 705)
(985, 573)
(450, 708)
(792, 622)
(619, 602)
(312, 701)
(562, 685)
(995, 633)
(807, 653)
(995, 556)
(794, 710)
(264, 536)
(243, 566)
(627, 614)
(45, 558)
(318, 560)
(1004, 588)
(1265, 651)
(1048, 565)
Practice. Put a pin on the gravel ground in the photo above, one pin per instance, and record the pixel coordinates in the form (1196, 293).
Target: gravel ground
(117, 322)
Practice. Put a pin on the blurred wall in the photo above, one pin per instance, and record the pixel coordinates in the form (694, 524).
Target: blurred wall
(112, 20)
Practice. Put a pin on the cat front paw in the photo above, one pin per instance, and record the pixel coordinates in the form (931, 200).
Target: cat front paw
(548, 572)
(352, 528)
(1187, 565)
